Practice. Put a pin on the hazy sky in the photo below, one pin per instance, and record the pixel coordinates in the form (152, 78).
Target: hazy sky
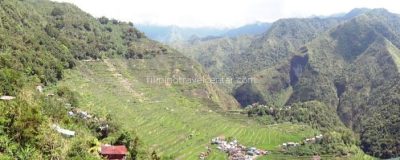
(221, 13)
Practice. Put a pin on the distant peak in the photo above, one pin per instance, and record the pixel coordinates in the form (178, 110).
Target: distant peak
(356, 12)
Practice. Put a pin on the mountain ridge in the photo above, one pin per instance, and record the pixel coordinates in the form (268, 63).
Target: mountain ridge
(344, 62)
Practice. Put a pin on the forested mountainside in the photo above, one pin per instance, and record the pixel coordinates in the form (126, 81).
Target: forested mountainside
(254, 53)
(352, 68)
(40, 40)
(70, 83)
(214, 54)
(348, 63)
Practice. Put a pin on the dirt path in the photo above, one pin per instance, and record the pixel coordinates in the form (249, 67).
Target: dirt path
(124, 81)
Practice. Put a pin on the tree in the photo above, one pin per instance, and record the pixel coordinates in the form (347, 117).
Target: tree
(11, 81)
(51, 31)
(57, 12)
(103, 20)
(125, 138)
(154, 156)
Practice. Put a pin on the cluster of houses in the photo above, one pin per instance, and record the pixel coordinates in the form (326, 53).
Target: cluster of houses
(75, 112)
(312, 140)
(237, 151)
(315, 139)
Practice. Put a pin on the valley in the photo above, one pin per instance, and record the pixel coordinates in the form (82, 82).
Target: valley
(166, 120)
(75, 86)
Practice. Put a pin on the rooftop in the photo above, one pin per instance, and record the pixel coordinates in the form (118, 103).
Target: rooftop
(7, 98)
(108, 150)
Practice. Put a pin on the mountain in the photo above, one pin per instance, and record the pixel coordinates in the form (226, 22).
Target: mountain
(174, 33)
(249, 29)
(242, 56)
(356, 12)
(280, 40)
(349, 63)
(214, 54)
(71, 83)
(42, 42)
(350, 67)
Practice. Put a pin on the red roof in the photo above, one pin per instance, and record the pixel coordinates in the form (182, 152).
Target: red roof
(110, 150)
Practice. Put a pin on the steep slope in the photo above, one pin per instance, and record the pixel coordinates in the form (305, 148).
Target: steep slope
(349, 68)
(177, 126)
(371, 91)
(214, 54)
(39, 41)
(34, 53)
(283, 39)
(242, 56)
(145, 93)
(88, 37)
(323, 60)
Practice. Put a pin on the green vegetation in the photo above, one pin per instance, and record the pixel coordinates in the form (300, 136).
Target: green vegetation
(167, 120)
(39, 40)
(350, 68)
(315, 66)
(349, 63)
(215, 54)
(338, 140)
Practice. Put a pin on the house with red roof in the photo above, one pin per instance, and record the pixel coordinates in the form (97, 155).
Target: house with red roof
(114, 152)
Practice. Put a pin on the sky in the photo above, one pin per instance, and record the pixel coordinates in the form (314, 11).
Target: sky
(221, 13)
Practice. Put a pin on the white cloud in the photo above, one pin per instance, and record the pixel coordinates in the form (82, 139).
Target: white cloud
(220, 13)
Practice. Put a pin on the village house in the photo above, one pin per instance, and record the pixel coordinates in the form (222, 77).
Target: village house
(64, 132)
(114, 152)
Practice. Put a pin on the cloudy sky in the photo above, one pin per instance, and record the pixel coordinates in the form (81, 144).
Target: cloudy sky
(220, 13)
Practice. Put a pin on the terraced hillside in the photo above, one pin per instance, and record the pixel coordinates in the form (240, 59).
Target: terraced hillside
(175, 125)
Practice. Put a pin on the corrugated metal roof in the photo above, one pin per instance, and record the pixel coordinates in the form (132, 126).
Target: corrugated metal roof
(6, 98)
(109, 150)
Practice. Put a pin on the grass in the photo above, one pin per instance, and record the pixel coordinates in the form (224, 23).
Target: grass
(164, 119)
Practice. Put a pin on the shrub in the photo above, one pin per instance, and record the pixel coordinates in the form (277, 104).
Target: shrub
(103, 20)
(11, 81)
(69, 95)
(57, 12)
